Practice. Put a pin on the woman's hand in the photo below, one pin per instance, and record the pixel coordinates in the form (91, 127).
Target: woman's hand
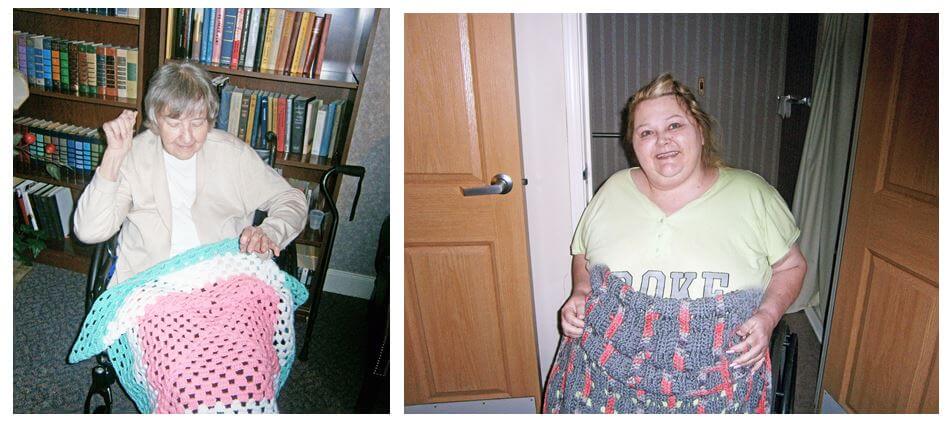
(755, 333)
(119, 132)
(572, 315)
(253, 240)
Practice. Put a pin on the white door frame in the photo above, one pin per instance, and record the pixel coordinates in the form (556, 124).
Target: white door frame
(551, 64)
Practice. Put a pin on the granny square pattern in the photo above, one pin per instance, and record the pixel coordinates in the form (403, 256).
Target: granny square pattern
(643, 354)
(209, 330)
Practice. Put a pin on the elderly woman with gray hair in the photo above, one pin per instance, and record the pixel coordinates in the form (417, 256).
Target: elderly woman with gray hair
(181, 184)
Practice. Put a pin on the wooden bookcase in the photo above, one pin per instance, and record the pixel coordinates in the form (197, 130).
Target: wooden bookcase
(349, 46)
(142, 33)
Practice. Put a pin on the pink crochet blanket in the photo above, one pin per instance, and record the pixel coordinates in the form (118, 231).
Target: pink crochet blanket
(210, 330)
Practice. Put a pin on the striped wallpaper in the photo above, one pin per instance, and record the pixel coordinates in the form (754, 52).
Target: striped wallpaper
(742, 60)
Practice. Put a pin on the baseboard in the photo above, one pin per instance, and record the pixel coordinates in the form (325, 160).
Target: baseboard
(349, 284)
(815, 321)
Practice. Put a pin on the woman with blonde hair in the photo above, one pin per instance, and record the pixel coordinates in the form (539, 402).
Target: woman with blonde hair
(681, 269)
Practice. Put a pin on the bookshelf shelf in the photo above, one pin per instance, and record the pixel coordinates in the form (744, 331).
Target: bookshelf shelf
(305, 161)
(74, 180)
(104, 100)
(328, 78)
(86, 16)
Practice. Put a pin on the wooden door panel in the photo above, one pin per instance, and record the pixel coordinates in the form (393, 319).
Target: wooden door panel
(905, 230)
(469, 321)
(883, 345)
(448, 143)
(913, 140)
(453, 309)
(899, 312)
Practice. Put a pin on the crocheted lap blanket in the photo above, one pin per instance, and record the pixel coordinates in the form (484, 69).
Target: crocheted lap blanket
(644, 354)
(209, 330)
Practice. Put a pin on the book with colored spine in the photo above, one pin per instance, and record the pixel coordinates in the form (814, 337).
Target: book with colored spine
(227, 37)
(100, 69)
(252, 39)
(217, 36)
(236, 43)
(287, 32)
(122, 58)
(262, 34)
(111, 88)
(132, 73)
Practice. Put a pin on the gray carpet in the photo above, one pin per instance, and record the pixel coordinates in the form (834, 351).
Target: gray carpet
(807, 374)
(48, 312)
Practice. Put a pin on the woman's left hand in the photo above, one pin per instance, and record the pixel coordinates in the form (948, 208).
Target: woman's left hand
(254, 240)
(755, 333)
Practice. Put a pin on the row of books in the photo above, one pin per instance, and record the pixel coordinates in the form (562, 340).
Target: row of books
(78, 147)
(303, 125)
(274, 41)
(45, 207)
(123, 13)
(77, 67)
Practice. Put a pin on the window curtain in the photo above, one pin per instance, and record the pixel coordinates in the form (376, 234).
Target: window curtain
(820, 186)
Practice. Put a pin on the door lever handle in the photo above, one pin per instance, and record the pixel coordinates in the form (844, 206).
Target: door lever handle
(501, 184)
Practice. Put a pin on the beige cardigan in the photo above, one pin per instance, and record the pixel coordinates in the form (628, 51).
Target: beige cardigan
(232, 182)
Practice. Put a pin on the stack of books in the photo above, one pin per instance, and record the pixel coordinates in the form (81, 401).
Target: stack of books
(78, 147)
(274, 41)
(122, 13)
(77, 67)
(45, 207)
(303, 125)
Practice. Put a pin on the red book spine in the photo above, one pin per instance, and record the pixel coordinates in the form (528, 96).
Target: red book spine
(236, 49)
(324, 32)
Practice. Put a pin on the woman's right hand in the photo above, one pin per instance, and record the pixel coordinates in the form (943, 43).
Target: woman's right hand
(119, 132)
(572, 315)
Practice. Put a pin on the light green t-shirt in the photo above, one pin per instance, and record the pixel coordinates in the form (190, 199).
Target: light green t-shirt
(725, 240)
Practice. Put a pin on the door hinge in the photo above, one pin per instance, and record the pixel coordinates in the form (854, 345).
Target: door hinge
(584, 174)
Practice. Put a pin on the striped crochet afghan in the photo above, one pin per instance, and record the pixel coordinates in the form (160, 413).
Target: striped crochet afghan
(209, 330)
(644, 354)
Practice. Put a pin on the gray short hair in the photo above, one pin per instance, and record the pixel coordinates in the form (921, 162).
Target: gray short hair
(180, 88)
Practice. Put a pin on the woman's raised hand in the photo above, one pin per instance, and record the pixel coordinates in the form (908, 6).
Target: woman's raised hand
(572, 315)
(119, 132)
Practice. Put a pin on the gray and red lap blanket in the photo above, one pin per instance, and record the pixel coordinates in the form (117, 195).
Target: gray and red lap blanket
(644, 354)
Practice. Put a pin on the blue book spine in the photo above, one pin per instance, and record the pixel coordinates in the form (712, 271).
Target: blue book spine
(227, 37)
(71, 151)
(48, 63)
(38, 78)
(86, 156)
(254, 126)
(208, 26)
(262, 122)
(30, 67)
(328, 130)
(224, 107)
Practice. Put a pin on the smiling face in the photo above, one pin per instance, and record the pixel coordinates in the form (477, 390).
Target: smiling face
(667, 141)
(183, 136)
